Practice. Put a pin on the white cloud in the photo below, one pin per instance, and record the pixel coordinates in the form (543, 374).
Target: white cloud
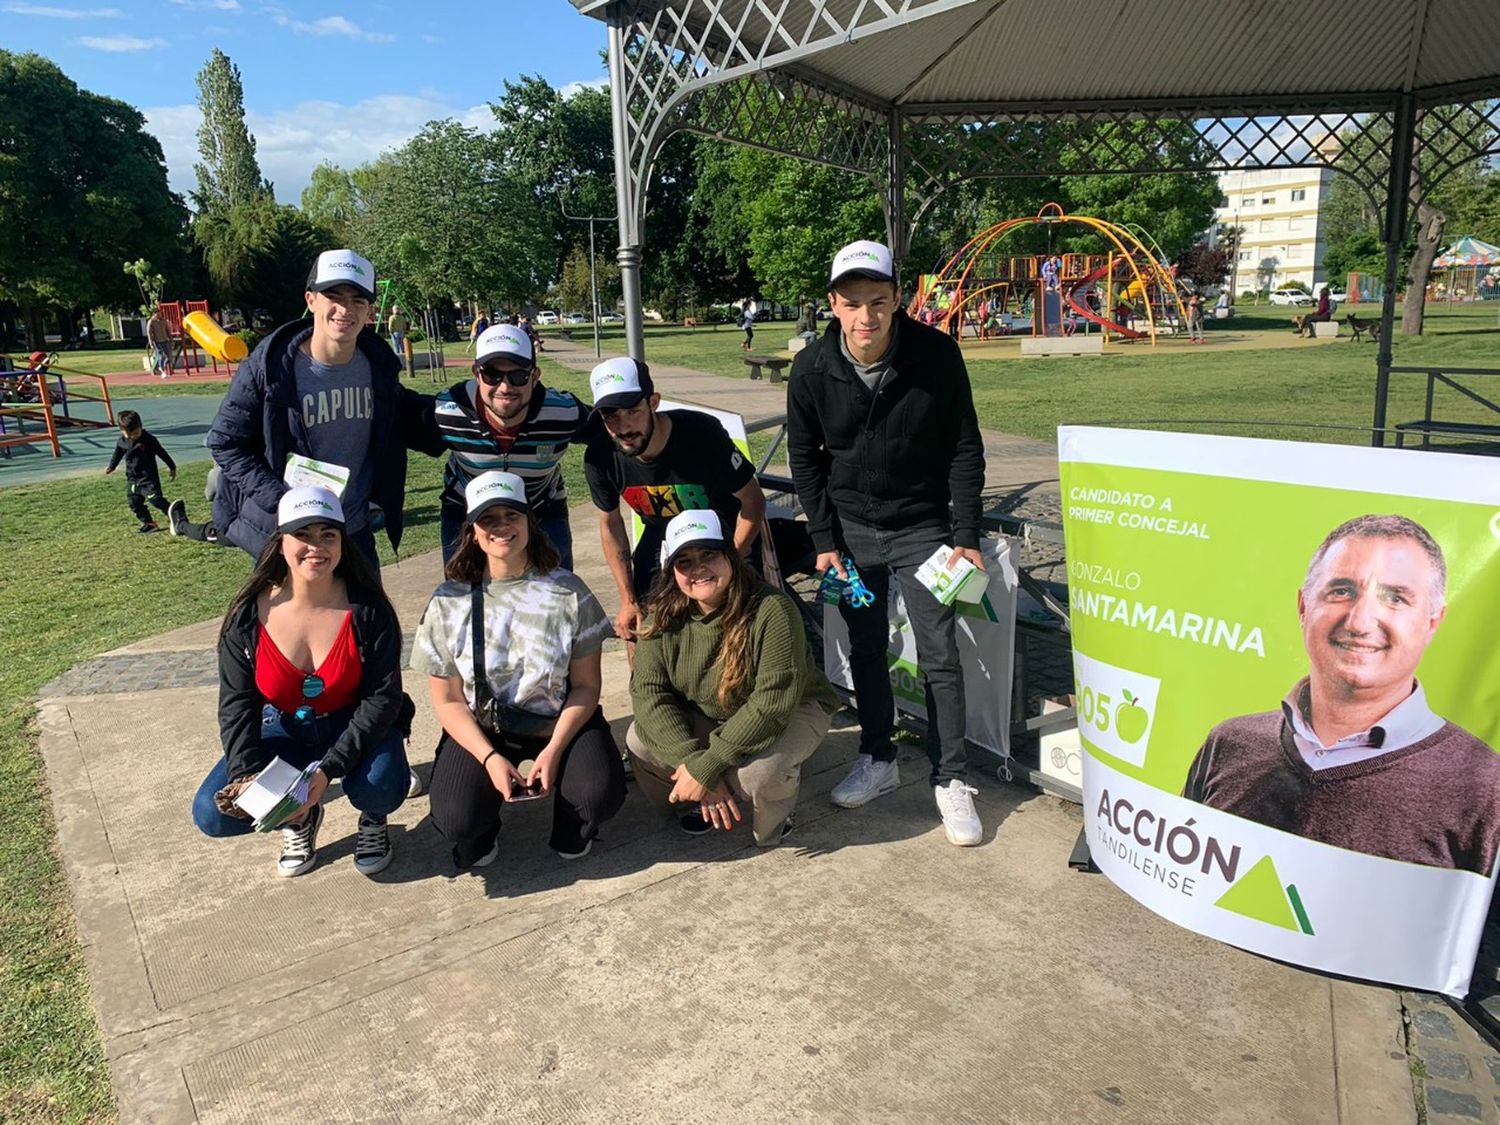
(333, 25)
(63, 13)
(571, 88)
(118, 43)
(291, 142)
(209, 5)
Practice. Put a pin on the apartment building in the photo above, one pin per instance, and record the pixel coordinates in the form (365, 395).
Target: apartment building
(1277, 209)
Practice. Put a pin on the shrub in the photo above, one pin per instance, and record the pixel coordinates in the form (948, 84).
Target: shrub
(250, 336)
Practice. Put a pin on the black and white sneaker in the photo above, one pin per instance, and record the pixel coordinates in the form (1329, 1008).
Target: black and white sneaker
(299, 844)
(786, 827)
(176, 516)
(414, 787)
(372, 847)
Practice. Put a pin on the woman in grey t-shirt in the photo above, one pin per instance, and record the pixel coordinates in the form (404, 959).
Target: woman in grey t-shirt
(534, 702)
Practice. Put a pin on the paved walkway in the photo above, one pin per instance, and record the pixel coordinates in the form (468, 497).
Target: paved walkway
(866, 971)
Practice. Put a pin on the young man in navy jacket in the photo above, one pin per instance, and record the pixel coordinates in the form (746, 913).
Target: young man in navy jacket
(889, 465)
(328, 388)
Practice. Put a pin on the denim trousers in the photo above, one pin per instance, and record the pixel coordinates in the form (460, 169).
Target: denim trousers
(376, 784)
(558, 530)
(881, 554)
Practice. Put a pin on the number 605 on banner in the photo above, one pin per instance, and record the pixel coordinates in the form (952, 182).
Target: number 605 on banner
(1116, 708)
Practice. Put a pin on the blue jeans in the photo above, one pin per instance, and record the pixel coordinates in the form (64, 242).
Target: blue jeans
(880, 556)
(376, 785)
(558, 530)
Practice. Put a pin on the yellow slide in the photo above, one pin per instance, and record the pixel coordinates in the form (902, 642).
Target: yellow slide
(213, 339)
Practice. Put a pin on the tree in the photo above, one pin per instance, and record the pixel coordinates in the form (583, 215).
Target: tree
(83, 189)
(574, 290)
(229, 174)
(1204, 265)
(258, 254)
(331, 200)
(150, 283)
(443, 216)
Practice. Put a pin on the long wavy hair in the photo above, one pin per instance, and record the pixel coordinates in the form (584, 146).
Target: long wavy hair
(668, 610)
(271, 571)
(470, 564)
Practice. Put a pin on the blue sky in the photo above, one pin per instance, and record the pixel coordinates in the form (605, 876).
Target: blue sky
(321, 82)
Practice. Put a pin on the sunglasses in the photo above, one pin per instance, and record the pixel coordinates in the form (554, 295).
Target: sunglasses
(516, 377)
(312, 687)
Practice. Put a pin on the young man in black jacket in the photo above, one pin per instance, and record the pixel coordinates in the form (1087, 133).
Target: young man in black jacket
(327, 388)
(882, 438)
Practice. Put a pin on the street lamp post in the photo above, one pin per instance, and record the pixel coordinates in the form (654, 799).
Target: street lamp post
(593, 276)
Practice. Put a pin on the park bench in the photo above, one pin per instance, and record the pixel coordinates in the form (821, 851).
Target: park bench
(771, 363)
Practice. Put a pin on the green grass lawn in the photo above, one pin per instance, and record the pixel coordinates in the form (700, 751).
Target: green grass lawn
(59, 605)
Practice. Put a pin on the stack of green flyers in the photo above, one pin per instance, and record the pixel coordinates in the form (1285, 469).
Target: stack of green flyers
(279, 791)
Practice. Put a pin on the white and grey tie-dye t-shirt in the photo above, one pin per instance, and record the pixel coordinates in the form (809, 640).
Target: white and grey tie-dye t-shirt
(534, 627)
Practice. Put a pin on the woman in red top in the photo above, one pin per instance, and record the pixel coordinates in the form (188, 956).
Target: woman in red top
(310, 671)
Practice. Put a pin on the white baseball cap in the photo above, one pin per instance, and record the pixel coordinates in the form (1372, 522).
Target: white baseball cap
(862, 259)
(342, 267)
(694, 529)
(306, 505)
(492, 489)
(619, 382)
(503, 341)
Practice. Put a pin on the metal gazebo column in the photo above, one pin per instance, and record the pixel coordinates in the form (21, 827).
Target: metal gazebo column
(898, 237)
(1397, 207)
(626, 191)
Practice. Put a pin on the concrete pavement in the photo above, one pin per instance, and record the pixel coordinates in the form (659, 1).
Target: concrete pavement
(865, 971)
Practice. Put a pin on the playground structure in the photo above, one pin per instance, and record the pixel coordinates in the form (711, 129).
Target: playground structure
(27, 395)
(990, 293)
(193, 327)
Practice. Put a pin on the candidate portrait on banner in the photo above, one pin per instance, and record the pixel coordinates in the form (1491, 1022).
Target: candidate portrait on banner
(1354, 757)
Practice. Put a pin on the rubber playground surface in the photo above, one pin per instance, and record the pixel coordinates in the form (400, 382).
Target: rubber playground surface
(179, 423)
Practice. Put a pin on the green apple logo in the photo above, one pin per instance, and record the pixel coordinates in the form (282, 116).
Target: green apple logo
(1131, 719)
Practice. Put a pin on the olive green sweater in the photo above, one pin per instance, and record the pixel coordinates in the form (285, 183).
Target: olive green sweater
(677, 673)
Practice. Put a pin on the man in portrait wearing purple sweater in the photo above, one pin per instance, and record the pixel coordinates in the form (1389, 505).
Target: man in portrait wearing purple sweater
(1354, 757)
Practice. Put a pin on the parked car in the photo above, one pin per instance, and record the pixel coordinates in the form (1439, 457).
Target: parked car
(1292, 297)
(1338, 296)
(575, 318)
(547, 316)
(611, 318)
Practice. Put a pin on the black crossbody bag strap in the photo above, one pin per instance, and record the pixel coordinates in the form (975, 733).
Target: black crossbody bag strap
(481, 681)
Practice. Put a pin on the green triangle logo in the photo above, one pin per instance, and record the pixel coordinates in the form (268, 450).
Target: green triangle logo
(1259, 894)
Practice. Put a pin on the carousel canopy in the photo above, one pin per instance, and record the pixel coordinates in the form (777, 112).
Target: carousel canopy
(1468, 251)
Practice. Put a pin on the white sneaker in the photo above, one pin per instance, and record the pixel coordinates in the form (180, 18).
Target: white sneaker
(866, 781)
(956, 803)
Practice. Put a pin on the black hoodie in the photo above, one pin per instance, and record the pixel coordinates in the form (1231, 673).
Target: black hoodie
(891, 460)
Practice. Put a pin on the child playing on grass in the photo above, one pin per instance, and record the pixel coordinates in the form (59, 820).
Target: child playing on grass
(139, 449)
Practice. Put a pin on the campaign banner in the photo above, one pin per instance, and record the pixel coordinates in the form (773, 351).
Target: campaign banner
(986, 647)
(1289, 692)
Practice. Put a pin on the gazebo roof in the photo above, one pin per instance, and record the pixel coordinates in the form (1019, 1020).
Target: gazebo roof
(953, 53)
(1468, 251)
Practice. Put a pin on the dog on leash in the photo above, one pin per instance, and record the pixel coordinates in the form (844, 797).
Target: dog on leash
(1360, 327)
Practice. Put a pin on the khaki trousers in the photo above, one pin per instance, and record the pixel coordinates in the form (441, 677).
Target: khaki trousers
(768, 783)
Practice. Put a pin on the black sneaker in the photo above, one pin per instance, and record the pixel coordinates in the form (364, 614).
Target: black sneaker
(695, 825)
(148, 528)
(299, 844)
(176, 516)
(372, 847)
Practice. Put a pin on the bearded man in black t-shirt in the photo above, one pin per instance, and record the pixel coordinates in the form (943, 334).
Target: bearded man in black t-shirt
(659, 463)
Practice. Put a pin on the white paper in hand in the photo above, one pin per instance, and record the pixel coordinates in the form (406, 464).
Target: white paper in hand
(279, 791)
(302, 472)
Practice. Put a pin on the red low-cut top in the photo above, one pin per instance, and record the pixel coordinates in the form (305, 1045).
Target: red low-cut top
(280, 681)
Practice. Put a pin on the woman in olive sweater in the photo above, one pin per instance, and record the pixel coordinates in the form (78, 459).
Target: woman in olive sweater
(728, 701)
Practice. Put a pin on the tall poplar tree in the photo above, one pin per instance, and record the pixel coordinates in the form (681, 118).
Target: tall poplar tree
(229, 174)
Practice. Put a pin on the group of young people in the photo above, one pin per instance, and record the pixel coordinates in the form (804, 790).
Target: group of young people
(728, 701)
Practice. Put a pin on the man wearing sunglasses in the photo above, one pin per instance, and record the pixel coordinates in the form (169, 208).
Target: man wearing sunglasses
(504, 419)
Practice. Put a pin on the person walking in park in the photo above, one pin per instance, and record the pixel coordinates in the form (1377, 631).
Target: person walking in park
(728, 700)
(159, 336)
(747, 322)
(1195, 318)
(511, 645)
(398, 324)
(660, 463)
(328, 388)
(505, 419)
(477, 329)
(310, 671)
(139, 448)
(888, 462)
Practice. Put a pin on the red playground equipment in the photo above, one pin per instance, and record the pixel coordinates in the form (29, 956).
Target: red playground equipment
(1126, 292)
(188, 346)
